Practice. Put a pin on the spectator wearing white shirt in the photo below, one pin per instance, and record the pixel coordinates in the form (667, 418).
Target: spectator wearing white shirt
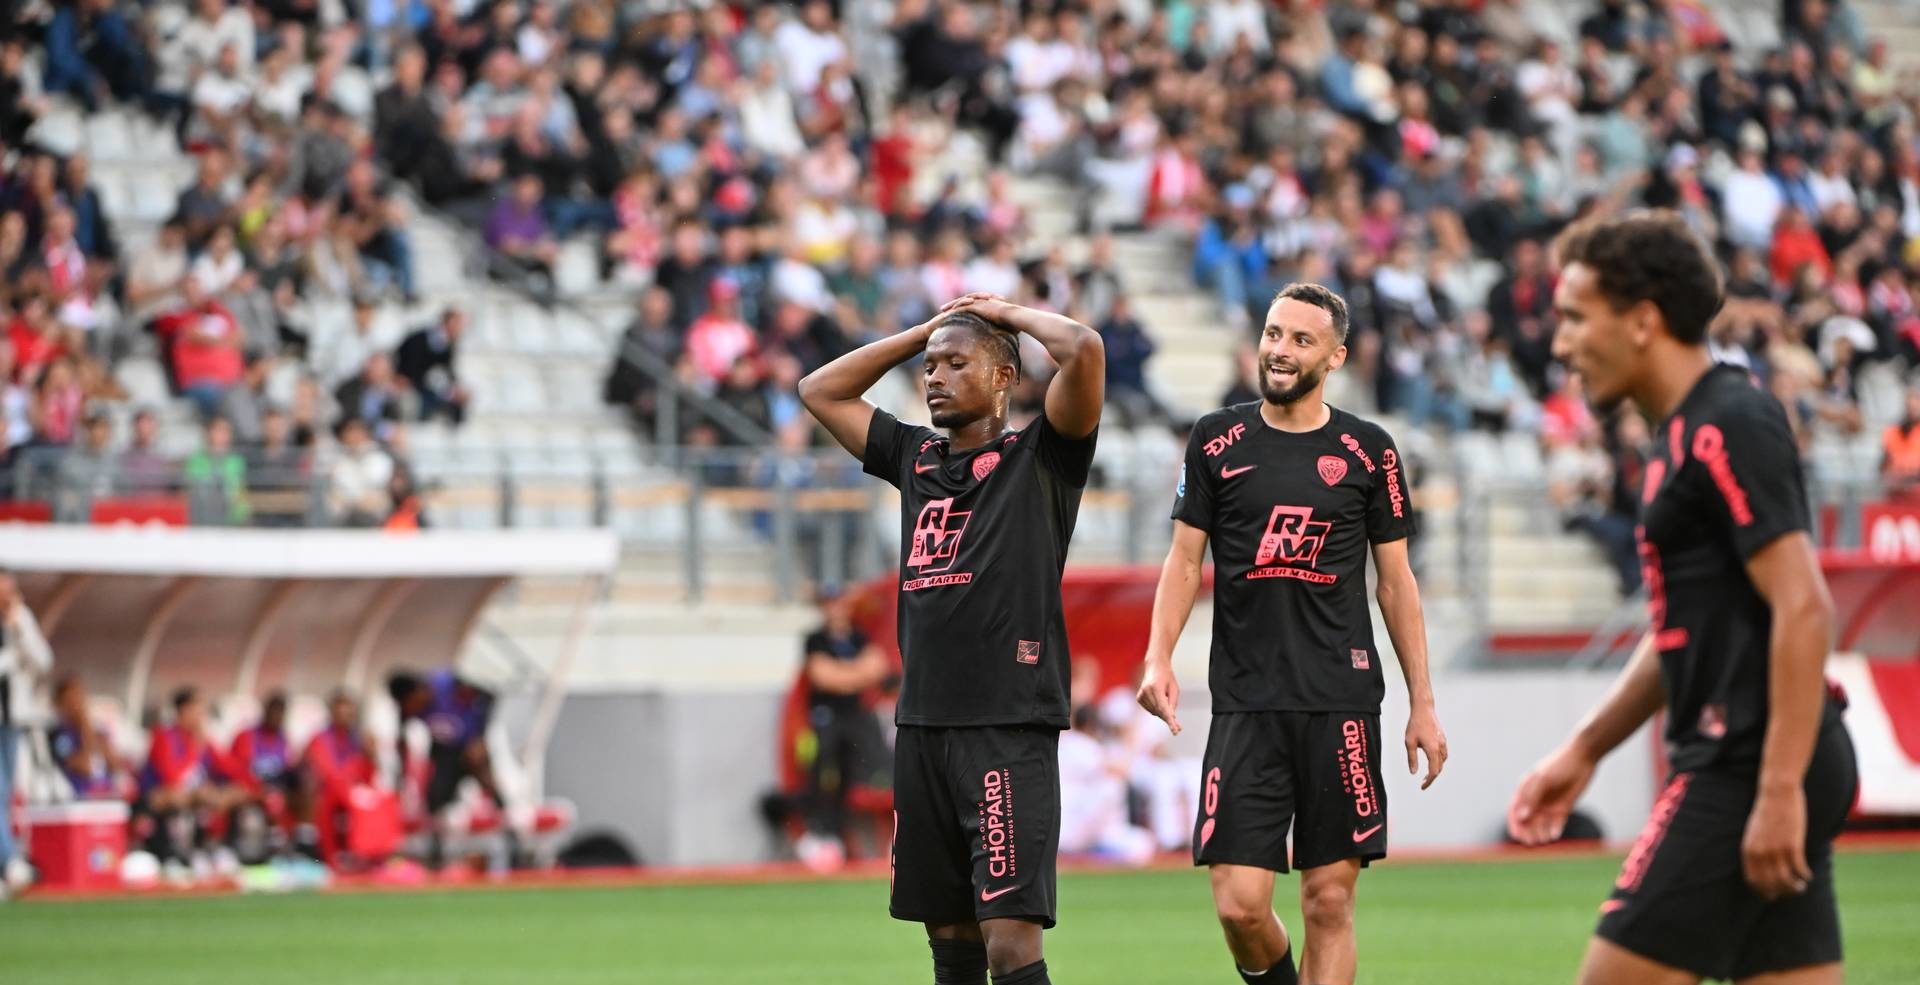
(1750, 202)
(807, 46)
(996, 271)
(1230, 20)
(767, 119)
(1093, 796)
(214, 28)
(357, 485)
(1830, 184)
(220, 265)
(25, 662)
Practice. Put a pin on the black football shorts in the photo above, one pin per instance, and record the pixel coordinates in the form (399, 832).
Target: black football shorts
(1316, 772)
(976, 818)
(1682, 898)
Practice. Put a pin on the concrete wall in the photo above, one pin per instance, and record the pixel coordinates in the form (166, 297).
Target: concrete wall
(680, 773)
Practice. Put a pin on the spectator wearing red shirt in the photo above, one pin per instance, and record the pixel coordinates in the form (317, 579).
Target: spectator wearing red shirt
(37, 338)
(185, 776)
(264, 758)
(719, 338)
(337, 761)
(1796, 243)
(204, 340)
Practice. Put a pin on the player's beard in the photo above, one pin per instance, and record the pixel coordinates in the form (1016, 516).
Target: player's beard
(1305, 380)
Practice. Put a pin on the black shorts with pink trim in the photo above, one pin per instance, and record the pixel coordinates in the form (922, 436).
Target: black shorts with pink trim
(976, 817)
(1682, 897)
(1315, 772)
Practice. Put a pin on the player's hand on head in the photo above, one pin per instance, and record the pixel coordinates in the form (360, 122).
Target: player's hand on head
(1160, 694)
(1424, 735)
(1773, 852)
(1546, 795)
(981, 303)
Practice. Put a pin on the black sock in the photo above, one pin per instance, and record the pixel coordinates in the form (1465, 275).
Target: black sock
(1033, 974)
(1281, 973)
(959, 962)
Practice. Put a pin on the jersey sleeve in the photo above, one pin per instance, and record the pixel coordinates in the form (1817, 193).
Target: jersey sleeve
(1390, 497)
(1193, 494)
(891, 445)
(816, 642)
(1069, 458)
(1752, 472)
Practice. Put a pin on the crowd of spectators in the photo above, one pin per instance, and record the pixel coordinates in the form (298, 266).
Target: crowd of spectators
(777, 191)
(289, 209)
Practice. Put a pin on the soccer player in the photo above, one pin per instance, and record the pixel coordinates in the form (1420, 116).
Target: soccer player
(1292, 494)
(1733, 875)
(985, 516)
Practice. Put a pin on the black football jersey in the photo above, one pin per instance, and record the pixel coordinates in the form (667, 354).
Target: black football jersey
(1290, 517)
(1724, 481)
(983, 535)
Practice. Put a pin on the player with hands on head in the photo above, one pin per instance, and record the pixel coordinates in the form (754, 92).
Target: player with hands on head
(986, 514)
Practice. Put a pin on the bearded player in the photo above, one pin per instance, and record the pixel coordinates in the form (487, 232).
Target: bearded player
(985, 517)
(1293, 494)
(1733, 875)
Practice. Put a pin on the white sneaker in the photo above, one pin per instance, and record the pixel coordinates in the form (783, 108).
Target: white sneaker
(19, 875)
(820, 854)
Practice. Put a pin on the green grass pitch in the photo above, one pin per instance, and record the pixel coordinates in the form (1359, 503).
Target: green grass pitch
(1479, 923)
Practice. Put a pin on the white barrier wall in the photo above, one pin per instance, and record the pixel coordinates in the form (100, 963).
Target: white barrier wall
(680, 774)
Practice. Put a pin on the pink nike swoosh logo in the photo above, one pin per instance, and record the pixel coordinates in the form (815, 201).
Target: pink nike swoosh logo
(1227, 473)
(1360, 836)
(986, 897)
(1612, 905)
(919, 468)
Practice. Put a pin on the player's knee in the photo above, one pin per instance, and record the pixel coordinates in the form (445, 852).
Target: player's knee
(1012, 952)
(1243, 915)
(1327, 906)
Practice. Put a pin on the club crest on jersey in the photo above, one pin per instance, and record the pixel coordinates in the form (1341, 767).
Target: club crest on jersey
(983, 465)
(1332, 469)
(1220, 442)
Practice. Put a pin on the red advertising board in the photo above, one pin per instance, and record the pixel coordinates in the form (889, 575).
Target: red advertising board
(1891, 531)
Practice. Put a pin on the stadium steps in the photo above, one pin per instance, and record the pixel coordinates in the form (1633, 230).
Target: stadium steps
(1193, 365)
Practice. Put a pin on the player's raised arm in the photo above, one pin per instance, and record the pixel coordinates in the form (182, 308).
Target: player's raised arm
(1172, 604)
(1079, 388)
(1787, 574)
(1548, 792)
(1399, 597)
(835, 393)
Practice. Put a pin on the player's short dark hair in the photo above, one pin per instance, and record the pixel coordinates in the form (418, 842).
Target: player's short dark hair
(401, 685)
(184, 696)
(1649, 255)
(1319, 297)
(1002, 346)
(277, 699)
